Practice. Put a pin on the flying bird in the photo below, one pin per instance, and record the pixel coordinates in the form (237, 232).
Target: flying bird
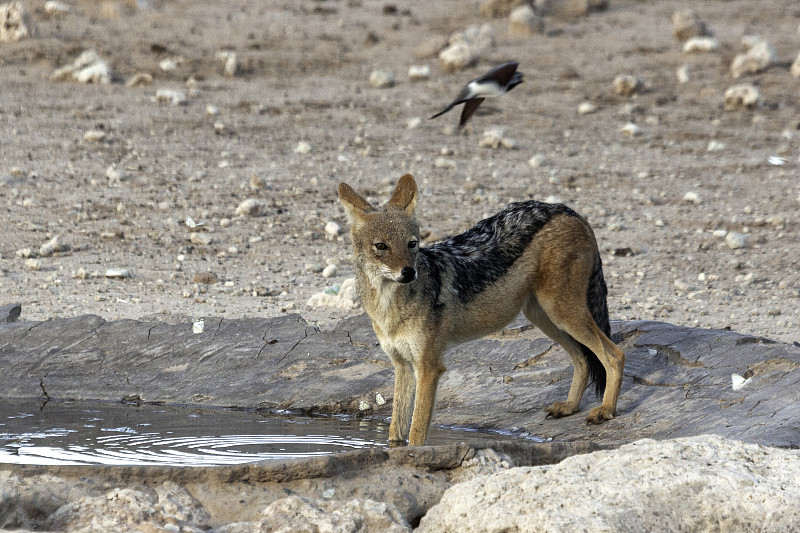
(494, 83)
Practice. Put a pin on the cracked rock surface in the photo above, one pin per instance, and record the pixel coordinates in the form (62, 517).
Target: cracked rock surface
(678, 381)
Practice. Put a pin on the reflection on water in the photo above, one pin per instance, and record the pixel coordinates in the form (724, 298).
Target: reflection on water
(112, 434)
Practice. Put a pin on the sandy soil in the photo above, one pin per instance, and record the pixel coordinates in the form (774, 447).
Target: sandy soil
(304, 78)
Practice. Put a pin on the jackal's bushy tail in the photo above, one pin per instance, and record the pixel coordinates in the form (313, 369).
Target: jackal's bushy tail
(596, 299)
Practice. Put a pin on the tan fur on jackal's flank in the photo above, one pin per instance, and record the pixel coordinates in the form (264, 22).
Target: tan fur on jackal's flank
(540, 259)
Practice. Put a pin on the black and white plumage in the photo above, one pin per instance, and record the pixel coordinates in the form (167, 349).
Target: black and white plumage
(494, 83)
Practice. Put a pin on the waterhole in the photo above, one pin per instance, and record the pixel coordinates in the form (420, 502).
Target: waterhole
(76, 433)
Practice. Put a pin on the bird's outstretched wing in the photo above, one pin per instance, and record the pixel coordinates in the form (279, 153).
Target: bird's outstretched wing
(469, 108)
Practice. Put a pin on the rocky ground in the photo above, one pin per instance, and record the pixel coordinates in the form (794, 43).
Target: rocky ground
(113, 171)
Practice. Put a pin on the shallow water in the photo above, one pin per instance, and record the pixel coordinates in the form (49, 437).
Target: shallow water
(60, 433)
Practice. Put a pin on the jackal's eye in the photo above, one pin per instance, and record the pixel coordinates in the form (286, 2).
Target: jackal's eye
(381, 246)
(412, 245)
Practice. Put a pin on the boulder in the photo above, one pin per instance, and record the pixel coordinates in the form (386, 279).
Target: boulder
(759, 57)
(703, 483)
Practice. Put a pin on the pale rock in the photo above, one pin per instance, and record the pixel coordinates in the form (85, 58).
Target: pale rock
(700, 45)
(586, 108)
(682, 73)
(705, 483)
(563, 8)
(631, 130)
(252, 207)
(715, 146)
(297, 514)
(98, 72)
(24, 253)
(168, 64)
(50, 247)
(741, 97)
(88, 67)
(457, 56)
(33, 264)
(686, 24)
(495, 138)
(413, 123)
(200, 238)
(93, 136)
(720, 233)
(443, 162)
(115, 175)
(419, 72)
(230, 63)
(54, 8)
(498, 8)
(795, 68)
(523, 21)
(13, 22)
(330, 271)
(381, 79)
(170, 96)
(627, 84)
(692, 197)
(758, 58)
(342, 296)
(736, 240)
(553, 199)
(536, 161)
(303, 147)
(118, 273)
(332, 230)
(140, 79)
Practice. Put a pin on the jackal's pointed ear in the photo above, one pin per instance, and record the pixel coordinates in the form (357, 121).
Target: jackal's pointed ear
(354, 205)
(405, 194)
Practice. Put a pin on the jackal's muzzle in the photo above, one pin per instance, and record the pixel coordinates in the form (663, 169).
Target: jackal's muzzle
(407, 275)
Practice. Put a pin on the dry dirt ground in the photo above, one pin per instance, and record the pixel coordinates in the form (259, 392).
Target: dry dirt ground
(304, 78)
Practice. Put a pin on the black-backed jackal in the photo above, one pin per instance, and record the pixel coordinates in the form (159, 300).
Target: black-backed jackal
(531, 256)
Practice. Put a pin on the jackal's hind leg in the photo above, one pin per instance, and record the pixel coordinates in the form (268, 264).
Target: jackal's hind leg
(580, 375)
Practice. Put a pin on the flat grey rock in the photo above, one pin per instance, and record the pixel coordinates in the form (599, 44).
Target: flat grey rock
(677, 380)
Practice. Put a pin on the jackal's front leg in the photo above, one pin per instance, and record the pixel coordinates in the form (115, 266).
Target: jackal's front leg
(428, 373)
(403, 402)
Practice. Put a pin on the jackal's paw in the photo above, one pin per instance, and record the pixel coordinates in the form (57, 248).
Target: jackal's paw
(561, 409)
(598, 415)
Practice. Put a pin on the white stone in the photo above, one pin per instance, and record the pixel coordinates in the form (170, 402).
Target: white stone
(170, 96)
(524, 21)
(54, 8)
(795, 68)
(252, 207)
(700, 45)
(631, 130)
(682, 73)
(94, 136)
(332, 230)
(413, 122)
(303, 147)
(381, 79)
(419, 72)
(168, 64)
(13, 22)
(342, 296)
(536, 160)
(736, 240)
(686, 24)
(586, 108)
(692, 197)
(50, 247)
(330, 271)
(118, 273)
(627, 84)
(33, 264)
(757, 59)
(704, 483)
(715, 146)
(741, 96)
(140, 79)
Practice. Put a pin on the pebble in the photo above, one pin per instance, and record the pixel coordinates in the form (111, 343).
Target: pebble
(419, 72)
(524, 22)
(795, 68)
(230, 64)
(55, 8)
(330, 271)
(494, 138)
(201, 238)
(381, 79)
(686, 24)
(168, 65)
(50, 247)
(631, 130)
(115, 175)
(720, 233)
(118, 273)
(457, 56)
(413, 122)
(735, 240)
(700, 45)
(302, 148)
(443, 162)
(744, 96)
(692, 197)
(198, 326)
(94, 136)
(170, 96)
(33, 264)
(24, 253)
(140, 79)
(586, 108)
(13, 22)
(212, 110)
(715, 146)
(758, 58)
(430, 48)
(87, 68)
(332, 230)
(252, 207)
(536, 161)
(682, 74)
(627, 84)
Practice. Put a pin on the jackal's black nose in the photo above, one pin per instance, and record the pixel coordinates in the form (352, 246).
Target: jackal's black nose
(407, 275)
